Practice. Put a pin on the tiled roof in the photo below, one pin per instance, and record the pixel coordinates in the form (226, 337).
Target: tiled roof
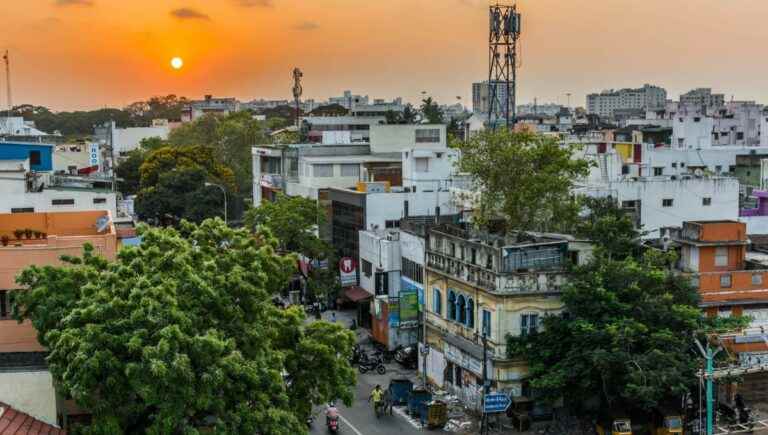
(13, 422)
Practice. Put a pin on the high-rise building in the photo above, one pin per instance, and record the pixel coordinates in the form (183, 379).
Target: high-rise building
(605, 103)
(702, 97)
(481, 95)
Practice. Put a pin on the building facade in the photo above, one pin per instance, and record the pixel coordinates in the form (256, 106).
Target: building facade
(606, 103)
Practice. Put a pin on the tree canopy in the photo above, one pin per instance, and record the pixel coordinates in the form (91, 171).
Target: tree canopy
(294, 221)
(431, 111)
(180, 334)
(609, 227)
(525, 179)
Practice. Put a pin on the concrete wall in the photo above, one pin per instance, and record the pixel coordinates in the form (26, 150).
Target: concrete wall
(30, 392)
(381, 207)
(692, 131)
(128, 139)
(21, 151)
(43, 201)
(396, 138)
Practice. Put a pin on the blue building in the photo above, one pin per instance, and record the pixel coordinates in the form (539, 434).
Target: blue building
(40, 155)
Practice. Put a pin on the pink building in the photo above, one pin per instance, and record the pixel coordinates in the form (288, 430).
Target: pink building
(39, 239)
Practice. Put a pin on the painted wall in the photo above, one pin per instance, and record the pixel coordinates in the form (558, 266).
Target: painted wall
(31, 392)
(21, 151)
(42, 202)
(396, 138)
(128, 139)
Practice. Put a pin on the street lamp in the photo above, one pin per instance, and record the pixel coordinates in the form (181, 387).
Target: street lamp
(207, 184)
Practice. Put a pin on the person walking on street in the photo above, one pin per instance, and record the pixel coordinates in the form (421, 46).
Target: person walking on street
(376, 395)
(333, 316)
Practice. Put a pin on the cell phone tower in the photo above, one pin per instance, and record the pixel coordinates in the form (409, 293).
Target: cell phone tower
(504, 32)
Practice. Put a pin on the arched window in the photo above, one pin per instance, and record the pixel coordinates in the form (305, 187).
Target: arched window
(461, 310)
(451, 305)
(470, 313)
(437, 301)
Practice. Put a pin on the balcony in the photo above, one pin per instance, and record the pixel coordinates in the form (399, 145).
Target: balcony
(273, 181)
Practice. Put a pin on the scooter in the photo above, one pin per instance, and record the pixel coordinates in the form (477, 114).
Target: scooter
(375, 363)
(358, 355)
(333, 424)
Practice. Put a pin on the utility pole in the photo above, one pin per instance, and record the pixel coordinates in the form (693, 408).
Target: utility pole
(297, 91)
(709, 356)
(484, 430)
(503, 35)
(7, 60)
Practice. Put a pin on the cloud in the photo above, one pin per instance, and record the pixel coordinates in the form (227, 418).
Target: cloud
(189, 14)
(74, 2)
(255, 3)
(306, 26)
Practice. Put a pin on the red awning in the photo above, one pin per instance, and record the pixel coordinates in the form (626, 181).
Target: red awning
(356, 294)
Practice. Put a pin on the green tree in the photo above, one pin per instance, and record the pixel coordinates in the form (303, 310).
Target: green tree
(431, 111)
(330, 110)
(152, 143)
(525, 179)
(294, 221)
(129, 177)
(170, 158)
(181, 194)
(609, 227)
(179, 334)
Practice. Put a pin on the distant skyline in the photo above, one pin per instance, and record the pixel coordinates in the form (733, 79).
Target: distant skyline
(85, 54)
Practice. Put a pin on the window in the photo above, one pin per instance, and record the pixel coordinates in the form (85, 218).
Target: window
(412, 270)
(624, 169)
(349, 170)
(470, 313)
(323, 170)
(718, 169)
(34, 157)
(706, 201)
(697, 119)
(529, 324)
(725, 280)
(721, 256)
(667, 202)
(674, 164)
(740, 135)
(392, 224)
(422, 164)
(732, 169)
(367, 268)
(628, 204)
(23, 210)
(382, 283)
(457, 380)
(99, 200)
(437, 301)
(461, 310)
(682, 165)
(474, 256)
(63, 202)
(428, 135)
(5, 305)
(449, 372)
(658, 171)
(452, 250)
(451, 305)
(757, 279)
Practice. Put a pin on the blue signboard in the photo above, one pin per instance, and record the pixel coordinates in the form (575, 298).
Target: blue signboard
(496, 402)
(409, 285)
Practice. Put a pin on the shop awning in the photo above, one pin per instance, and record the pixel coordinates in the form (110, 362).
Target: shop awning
(357, 294)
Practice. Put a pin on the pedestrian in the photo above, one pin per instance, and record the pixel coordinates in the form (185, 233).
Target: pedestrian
(333, 316)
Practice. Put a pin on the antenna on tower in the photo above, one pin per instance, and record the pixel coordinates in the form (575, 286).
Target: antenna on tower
(8, 92)
(297, 91)
(504, 31)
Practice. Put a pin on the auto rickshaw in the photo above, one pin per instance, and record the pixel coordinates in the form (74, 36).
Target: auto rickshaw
(667, 422)
(614, 426)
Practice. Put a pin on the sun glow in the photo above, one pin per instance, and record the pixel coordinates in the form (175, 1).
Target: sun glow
(177, 63)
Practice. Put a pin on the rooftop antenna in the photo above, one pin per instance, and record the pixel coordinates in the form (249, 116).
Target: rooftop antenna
(297, 91)
(7, 61)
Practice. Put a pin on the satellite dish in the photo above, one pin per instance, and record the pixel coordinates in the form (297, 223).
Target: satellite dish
(698, 172)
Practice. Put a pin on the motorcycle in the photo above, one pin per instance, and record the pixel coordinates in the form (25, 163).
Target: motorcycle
(333, 424)
(375, 363)
(357, 355)
(407, 356)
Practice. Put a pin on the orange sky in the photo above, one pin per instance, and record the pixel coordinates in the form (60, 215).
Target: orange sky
(69, 54)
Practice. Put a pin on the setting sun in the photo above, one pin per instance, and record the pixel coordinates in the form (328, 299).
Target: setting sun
(177, 63)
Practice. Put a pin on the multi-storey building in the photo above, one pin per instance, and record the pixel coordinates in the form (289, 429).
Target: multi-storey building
(483, 285)
(702, 97)
(25, 382)
(606, 103)
(738, 123)
(209, 105)
(482, 92)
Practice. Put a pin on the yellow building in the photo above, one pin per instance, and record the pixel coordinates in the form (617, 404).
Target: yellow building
(483, 285)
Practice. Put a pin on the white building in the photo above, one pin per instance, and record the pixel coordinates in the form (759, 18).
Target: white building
(209, 105)
(357, 127)
(482, 94)
(17, 126)
(125, 140)
(607, 102)
(702, 97)
(738, 124)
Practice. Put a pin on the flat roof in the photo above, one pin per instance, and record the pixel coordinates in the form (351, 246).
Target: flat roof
(16, 142)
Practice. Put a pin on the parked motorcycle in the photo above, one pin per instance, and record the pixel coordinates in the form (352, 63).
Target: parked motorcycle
(375, 363)
(358, 355)
(407, 356)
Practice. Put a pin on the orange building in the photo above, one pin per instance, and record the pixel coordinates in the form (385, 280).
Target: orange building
(39, 239)
(715, 253)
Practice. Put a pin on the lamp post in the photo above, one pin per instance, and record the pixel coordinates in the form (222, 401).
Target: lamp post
(425, 353)
(225, 197)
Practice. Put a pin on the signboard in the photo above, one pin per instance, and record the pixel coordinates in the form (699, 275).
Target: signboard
(409, 309)
(496, 402)
(94, 157)
(348, 271)
(394, 313)
(468, 362)
(408, 285)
